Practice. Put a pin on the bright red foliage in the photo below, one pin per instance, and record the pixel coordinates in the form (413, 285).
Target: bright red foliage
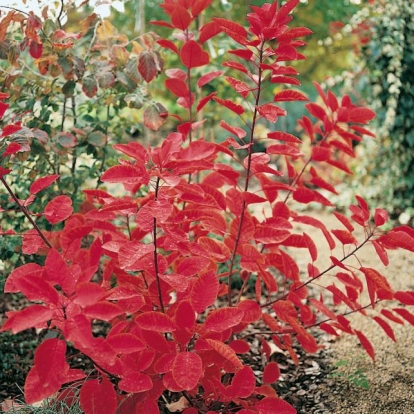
(150, 264)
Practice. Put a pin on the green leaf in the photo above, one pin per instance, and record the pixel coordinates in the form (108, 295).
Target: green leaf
(68, 88)
(126, 81)
(66, 139)
(97, 139)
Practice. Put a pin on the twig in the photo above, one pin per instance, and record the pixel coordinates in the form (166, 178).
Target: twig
(26, 213)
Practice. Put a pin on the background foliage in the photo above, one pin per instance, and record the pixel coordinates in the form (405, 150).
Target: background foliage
(381, 35)
(389, 59)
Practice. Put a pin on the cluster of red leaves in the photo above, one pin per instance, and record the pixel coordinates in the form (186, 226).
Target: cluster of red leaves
(150, 264)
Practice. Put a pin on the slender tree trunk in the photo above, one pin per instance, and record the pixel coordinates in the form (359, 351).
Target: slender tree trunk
(140, 17)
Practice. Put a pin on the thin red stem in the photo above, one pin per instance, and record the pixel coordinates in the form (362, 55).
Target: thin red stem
(247, 181)
(24, 210)
(157, 277)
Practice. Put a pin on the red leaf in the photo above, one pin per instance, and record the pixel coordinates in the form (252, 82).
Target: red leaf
(42, 183)
(88, 293)
(404, 313)
(122, 174)
(240, 87)
(381, 252)
(31, 242)
(380, 216)
(180, 18)
(243, 382)
(35, 49)
(208, 31)
(134, 150)
(147, 66)
(285, 79)
(177, 86)
(293, 33)
(233, 29)
(34, 316)
(208, 77)
(135, 382)
(239, 346)
(320, 153)
(155, 321)
(167, 44)
(321, 307)
(59, 209)
(190, 266)
(316, 111)
(332, 101)
(289, 95)
(344, 220)
(283, 136)
(273, 405)
(361, 115)
(225, 351)
(350, 280)
(271, 373)
(366, 344)
(305, 195)
(203, 101)
(58, 273)
(10, 129)
(245, 54)
(396, 238)
(176, 281)
(192, 55)
(377, 284)
(281, 149)
(311, 221)
(98, 397)
(328, 329)
(388, 314)
(363, 204)
(12, 148)
(170, 384)
(103, 310)
(18, 272)
(48, 373)
(164, 363)
(385, 326)
(199, 5)
(3, 108)
(271, 112)
(252, 311)
(339, 296)
(344, 236)
(187, 369)
(266, 234)
(311, 247)
(235, 65)
(161, 23)
(238, 109)
(204, 292)
(221, 319)
(406, 298)
(36, 288)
